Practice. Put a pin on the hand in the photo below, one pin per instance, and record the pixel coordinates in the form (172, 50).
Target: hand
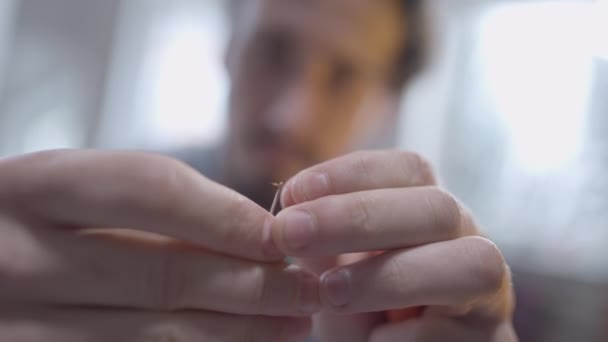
(196, 263)
(417, 247)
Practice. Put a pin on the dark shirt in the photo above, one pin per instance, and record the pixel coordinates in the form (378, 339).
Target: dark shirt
(207, 161)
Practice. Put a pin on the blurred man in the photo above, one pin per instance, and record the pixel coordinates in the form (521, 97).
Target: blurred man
(371, 232)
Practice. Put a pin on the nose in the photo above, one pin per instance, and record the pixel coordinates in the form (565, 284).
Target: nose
(297, 108)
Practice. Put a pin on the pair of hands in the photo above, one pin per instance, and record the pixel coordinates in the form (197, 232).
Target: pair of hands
(116, 246)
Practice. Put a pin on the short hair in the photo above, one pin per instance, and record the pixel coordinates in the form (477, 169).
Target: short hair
(413, 52)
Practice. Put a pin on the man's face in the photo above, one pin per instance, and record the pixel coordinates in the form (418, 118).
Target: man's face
(309, 82)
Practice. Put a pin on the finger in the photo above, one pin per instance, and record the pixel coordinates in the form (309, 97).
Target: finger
(358, 171)
(465, 272)
(440, 330)
(330, 327)
(138, 191)
(133, 326)
(60, 268)
(371, 220)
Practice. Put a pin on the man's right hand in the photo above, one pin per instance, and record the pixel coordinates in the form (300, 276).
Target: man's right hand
(116, 246)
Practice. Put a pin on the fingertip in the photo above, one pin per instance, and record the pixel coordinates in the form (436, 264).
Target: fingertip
(336, 289)
(276, 233)
(304, 187)
(270, 248)
(294, 231)
(286, 194)
(314, 185)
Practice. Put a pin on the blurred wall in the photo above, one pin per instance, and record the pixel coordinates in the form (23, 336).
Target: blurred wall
(55, 73)
(167, 85)
(7, 15)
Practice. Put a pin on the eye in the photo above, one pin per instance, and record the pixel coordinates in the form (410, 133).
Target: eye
(274, 50)
(342, 76)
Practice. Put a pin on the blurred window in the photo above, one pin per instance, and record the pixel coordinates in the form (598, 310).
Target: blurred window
(175, 79)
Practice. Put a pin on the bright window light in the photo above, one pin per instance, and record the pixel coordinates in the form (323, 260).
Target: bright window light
(600, 28)
(184, 89)
(56, 128)
(537, 68)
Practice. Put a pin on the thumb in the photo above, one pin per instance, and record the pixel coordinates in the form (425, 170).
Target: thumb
(328, 326)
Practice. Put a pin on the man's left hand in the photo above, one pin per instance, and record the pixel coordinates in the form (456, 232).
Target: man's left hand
(385, 237)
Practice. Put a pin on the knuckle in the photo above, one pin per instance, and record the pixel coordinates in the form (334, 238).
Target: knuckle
(160, 175)
(426, 172)
(362, 164)
(357, 155)
(241, 216)
(360, 215)
(395, 275)
(241, 209)
(419, 168)
(446, 213)
(488, 263)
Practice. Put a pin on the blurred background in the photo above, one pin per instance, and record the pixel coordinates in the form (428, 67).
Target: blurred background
(513, 110)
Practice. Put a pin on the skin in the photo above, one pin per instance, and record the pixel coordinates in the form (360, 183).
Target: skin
(124, 246)
(337, 220)
(324, 91)
(364, 202)
(195, 265)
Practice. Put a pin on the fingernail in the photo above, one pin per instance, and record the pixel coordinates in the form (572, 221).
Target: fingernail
(309, 294)
(315, 185)
(286, 197)
(336, 286)
(298, 233)
(269, 248)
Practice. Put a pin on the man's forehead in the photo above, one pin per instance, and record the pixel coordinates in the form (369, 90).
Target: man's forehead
(357, 26)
